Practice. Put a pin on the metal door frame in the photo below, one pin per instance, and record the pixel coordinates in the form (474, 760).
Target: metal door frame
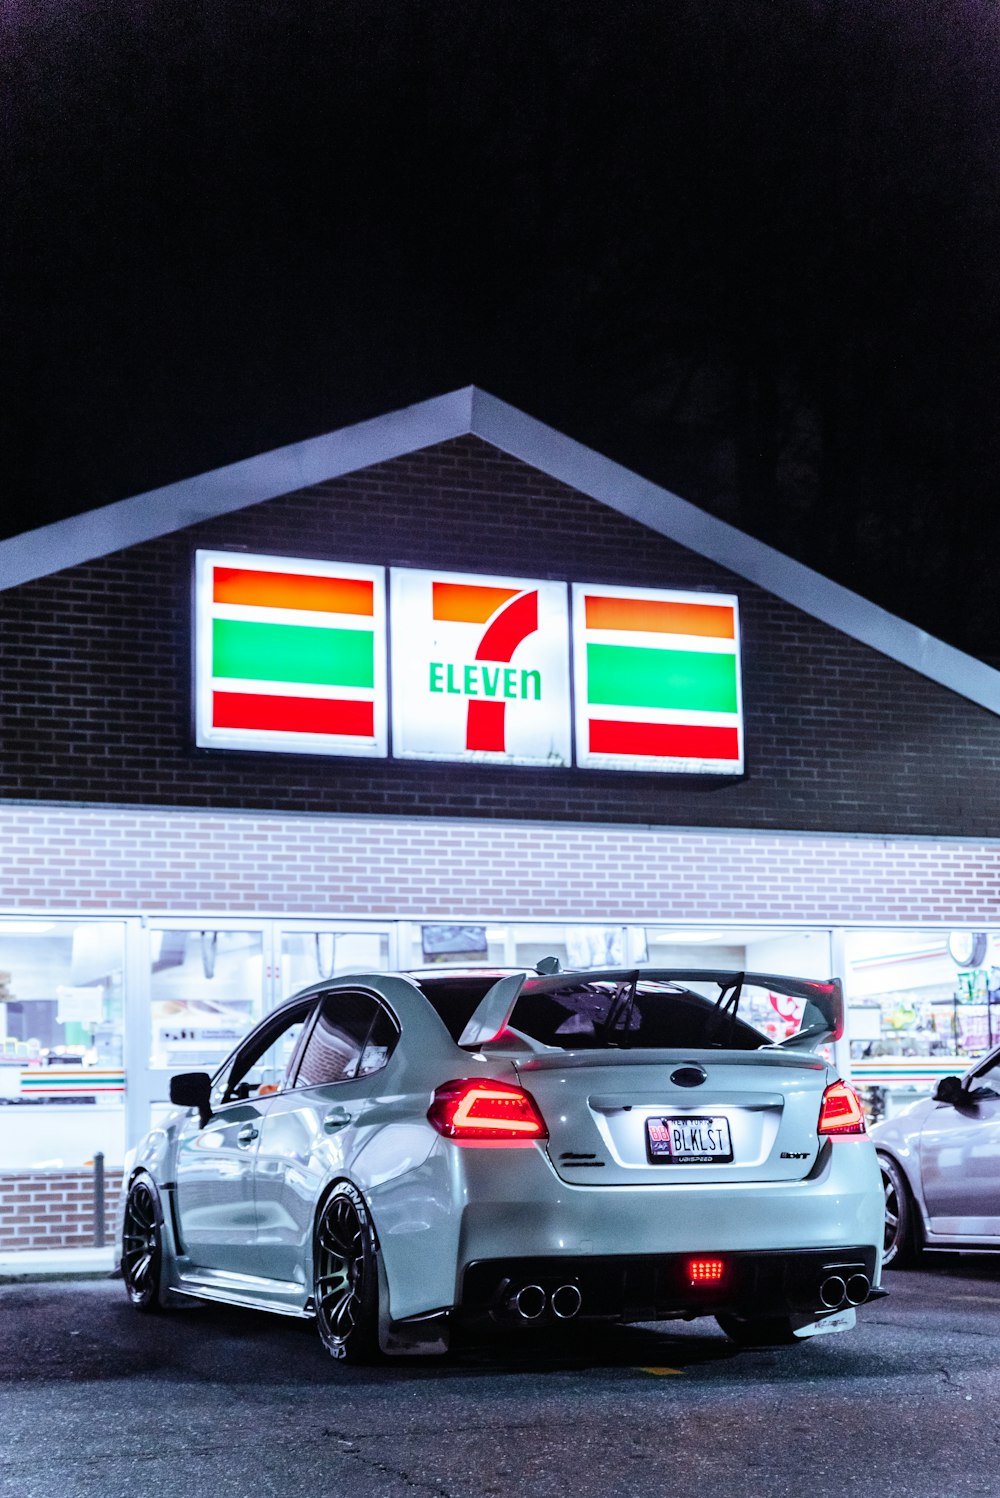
(146, 1085)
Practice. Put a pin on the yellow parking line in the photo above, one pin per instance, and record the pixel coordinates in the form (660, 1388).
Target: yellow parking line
(662, 1372)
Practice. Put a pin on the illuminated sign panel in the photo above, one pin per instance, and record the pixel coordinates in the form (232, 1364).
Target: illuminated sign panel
(657, 680)
(480, 668)
(290, 655)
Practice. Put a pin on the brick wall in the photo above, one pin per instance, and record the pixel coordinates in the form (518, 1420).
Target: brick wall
(54, 1208)
(102, 859)
(95, 676)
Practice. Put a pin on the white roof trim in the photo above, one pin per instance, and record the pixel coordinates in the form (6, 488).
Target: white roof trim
(470, 411)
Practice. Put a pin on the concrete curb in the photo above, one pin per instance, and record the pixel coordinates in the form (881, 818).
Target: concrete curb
(37, 1266)
(55, 1276)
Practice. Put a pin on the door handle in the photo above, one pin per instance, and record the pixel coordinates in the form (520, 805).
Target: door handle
(337, 1118)
(247, 1135)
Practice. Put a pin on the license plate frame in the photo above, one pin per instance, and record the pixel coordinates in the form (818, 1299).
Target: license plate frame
(667, 1134)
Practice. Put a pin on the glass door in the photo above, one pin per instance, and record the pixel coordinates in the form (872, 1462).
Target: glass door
(306, 952)
(206, 984)
(62, 1038)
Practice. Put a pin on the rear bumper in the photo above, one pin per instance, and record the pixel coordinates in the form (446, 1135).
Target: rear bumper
(655, 1287)
(462, 1207)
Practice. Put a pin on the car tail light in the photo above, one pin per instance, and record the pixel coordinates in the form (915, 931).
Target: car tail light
(840, 1113)
(483, 1110)
(706, 1271)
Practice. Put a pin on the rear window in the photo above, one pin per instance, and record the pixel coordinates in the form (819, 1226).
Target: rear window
(456, 999)
(582, 1016)
(573, 1014)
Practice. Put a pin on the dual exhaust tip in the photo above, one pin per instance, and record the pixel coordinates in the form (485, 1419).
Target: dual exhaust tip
(836, 1290)
(532, 1301)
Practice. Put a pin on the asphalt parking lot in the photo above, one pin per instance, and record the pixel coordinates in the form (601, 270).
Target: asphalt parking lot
(97, 1400)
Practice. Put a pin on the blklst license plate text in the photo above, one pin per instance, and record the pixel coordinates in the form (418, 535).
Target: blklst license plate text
(689, 1141)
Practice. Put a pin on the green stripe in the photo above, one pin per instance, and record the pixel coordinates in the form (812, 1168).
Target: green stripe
(634, 676)
(293, 652)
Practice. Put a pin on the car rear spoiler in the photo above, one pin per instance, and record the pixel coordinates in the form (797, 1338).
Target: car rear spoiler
(494, 1010)
(822, 1019)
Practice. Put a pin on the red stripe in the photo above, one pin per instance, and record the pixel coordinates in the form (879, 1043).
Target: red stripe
(664, 740)
(293, 714)
(485, 726)
(61, 1091)
(515, 622)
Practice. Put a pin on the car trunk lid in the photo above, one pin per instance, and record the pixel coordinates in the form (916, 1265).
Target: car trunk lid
(671, 1116)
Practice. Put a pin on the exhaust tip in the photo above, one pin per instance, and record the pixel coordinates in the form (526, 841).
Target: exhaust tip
(833, 1291)
(529, 1302)
(566, 1301)
(858, 1287)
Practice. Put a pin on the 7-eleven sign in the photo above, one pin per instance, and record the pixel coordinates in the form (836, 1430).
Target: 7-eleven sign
(480, 668)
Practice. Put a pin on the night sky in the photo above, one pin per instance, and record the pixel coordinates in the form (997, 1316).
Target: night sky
(750, 249)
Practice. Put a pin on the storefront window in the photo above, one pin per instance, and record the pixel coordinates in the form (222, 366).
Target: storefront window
(206, 990)
(309, 956)
(582, 946)
(792, 953)
(62, 1083)
(453, 944)
(921, 1005)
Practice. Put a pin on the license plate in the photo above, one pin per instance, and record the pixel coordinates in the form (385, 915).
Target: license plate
(689, 1141)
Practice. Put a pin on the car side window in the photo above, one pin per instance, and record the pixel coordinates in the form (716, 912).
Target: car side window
(338, 1038)
(259, 1066)
(379, 1046)
(987, 1081)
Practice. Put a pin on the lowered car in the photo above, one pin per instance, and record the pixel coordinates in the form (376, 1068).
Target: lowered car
(939, 1167)
(400, 1155)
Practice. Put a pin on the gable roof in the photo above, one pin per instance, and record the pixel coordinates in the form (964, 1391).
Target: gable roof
(470, 411)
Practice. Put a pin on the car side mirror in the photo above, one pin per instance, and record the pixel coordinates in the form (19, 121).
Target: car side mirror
(949, 1090)
(193, 1089)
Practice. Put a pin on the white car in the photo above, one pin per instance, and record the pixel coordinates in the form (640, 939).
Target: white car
(938, 1159)
(396, 1155)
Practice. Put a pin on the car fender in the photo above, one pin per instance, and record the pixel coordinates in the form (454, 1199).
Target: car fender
(428, 1334)
(156, 1152)
(899, 1138)
(150, 1157)
(335, 1178)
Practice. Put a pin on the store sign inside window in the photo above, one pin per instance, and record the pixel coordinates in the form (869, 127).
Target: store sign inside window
(291, 654)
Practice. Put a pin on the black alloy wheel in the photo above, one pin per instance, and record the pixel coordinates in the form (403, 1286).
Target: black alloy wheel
(142, 1247)
(758, 1331)
(346, 1277)
(899, 1246)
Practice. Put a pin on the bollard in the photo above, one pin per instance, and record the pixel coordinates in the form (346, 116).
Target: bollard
(99, 1199)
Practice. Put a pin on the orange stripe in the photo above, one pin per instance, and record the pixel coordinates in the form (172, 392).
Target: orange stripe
(294, 590)
(659, 616)
(468, 603)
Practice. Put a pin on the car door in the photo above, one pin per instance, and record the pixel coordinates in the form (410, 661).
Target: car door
(214, 1169)
(960, 1158)
(310, 1132)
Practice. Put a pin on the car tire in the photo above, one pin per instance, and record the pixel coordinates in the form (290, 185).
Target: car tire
(345, 1277)
(142, 1246)
(900, 1244)
(758, 1331)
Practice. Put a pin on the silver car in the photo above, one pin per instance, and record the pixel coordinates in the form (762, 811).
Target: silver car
(939, 1167)
(399, 1155)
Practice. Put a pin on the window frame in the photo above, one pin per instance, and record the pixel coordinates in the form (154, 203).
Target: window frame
(295, 1064)
(311, 1006)
(986, 1065)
